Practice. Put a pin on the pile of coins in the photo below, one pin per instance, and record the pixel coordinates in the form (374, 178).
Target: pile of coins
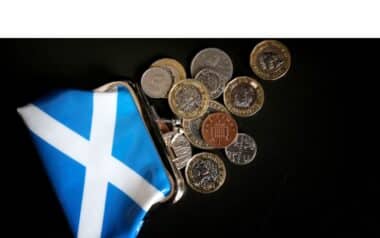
(203, 122)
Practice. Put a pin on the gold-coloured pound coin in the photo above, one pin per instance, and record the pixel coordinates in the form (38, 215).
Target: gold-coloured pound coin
(188, 99)
(270, 60)
(243, 96)
(205, 172)
(176, 69)
(192, 127)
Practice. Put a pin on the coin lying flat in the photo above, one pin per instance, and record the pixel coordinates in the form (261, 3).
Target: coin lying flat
(175, 68)
(270, 60)
(215, 59)
(188, 99)
(219, 129)
(192, 127)
(205, 172)
(156, 82)
(180, 146)
(212, 80)
(243, 96)
(242, 151)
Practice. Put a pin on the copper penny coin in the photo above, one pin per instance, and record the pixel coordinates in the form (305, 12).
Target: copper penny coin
(219, 129)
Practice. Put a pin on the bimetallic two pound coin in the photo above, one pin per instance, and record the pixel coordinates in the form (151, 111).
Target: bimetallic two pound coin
(173, 66)
(212, 80)
(180, 146)
(205, 172)
(219, 129)
(192, 127)
(243, 96)
(215, 59)
(188, 99)
(270, 60)
(156, 82)
(242, 151)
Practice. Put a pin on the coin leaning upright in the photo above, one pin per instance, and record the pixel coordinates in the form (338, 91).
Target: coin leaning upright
(176, 69)
(242, 151)
(270, 60)
(243, 96)
(212, 80)
(205, 172)
(219, 129)
(188, 99)
(156, 82)
(180, 146)
(215, 59)
(192, 127)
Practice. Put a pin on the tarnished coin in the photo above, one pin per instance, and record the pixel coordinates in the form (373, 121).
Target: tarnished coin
(205, 172)
(188, 99)
(156, 82)
(192, 127)
(180, 146)
(270, 60)
(212, 80)
(215, 59)
(243, 96)
(175, 68)
(242, 151)
(219, 129)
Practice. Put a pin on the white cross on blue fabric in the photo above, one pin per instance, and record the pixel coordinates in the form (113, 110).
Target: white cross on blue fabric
(100, 159)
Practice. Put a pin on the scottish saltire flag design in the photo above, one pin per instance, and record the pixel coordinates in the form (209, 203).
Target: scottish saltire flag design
(100, 159)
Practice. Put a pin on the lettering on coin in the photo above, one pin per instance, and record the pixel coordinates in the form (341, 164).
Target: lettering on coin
(205, 172)
(242, 151)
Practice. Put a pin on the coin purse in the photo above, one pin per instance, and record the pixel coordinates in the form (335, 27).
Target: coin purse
(104, 156)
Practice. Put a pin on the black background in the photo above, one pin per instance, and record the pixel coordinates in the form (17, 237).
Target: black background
(299, 181)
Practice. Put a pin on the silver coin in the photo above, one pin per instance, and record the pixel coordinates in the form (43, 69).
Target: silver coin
(212, 80)
(205, 172)
(242, 151)
(173, 71)
(214, 59)
(192, 127)
(156, 82)
(180, 146)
